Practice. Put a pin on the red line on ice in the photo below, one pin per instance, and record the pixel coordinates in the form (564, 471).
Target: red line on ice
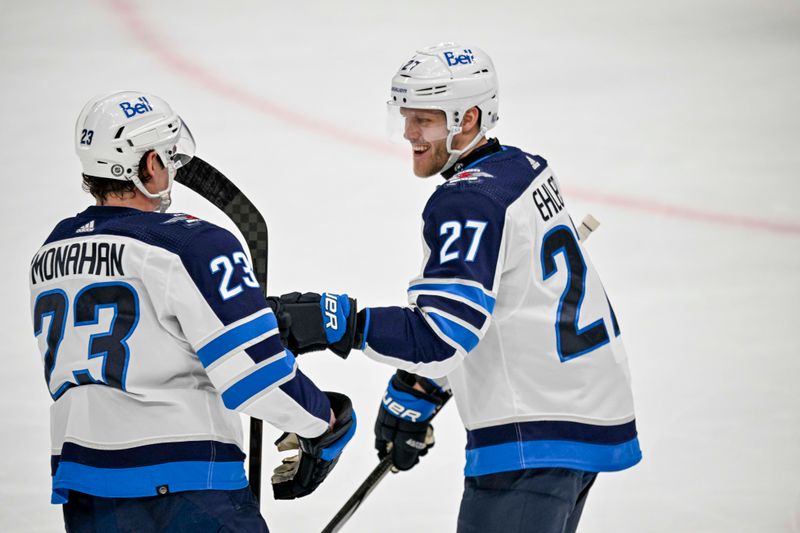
(688, 213)
(164, 53)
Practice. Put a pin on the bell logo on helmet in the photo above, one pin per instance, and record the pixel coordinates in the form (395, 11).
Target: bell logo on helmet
(139, 107)
(463, 59)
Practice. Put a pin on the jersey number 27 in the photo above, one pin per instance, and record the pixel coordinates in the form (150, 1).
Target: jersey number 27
(572, 341)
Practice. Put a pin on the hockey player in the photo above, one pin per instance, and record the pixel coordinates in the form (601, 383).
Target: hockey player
(152, 330)
(509, 314)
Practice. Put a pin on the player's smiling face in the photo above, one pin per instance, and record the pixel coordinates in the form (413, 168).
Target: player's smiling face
(426, 130)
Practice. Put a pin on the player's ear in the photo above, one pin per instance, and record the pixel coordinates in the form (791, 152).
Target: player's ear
(152, 164)
(471, 120)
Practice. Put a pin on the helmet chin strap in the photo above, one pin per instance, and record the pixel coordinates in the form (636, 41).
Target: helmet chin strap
(164, 197)
(455, 154)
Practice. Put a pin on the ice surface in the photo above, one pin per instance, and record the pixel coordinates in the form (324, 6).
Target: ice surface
(677, 124)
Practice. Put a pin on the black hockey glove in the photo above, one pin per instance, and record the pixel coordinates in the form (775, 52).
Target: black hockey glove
(402, 428)
(299, 475)
(310, 322)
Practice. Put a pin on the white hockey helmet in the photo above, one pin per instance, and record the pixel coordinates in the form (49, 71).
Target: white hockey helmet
(114, 130)
(451, 78)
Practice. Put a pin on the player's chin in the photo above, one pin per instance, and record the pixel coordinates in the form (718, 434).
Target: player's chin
(424, 165)
(423, 169)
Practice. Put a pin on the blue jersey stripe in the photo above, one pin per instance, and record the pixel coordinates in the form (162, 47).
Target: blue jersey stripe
(144, 480)
(464, 337)
(257, 381)
(552, 454)
(463, 311)
(484, 158)
(473, 294)
(551, 430)
(366, 329)
(235, 337)
(151, 454)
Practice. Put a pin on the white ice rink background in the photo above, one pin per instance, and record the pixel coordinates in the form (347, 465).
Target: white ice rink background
(677, 124)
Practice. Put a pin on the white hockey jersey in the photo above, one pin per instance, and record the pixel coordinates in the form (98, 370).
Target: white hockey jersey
(152, 328)
(511, 311)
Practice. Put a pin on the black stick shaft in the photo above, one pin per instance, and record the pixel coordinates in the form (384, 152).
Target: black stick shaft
(254, 457)
(361, 493)
(366, 487)
(215, 187)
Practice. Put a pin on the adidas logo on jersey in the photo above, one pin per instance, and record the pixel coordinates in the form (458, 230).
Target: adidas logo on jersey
(86, 228)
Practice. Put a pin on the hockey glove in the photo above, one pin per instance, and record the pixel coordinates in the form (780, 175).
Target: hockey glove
(299, 475)
(402, 428)
(310, 322)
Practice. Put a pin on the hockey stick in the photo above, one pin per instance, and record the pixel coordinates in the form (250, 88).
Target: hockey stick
(366, 487)
(212, 185)
(587, 226)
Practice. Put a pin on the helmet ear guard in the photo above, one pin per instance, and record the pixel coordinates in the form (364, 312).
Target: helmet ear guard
(453, 79)
(455, 130)
(114, 130)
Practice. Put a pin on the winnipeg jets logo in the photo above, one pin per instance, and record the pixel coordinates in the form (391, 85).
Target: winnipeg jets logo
(469, 175)
(188, 220)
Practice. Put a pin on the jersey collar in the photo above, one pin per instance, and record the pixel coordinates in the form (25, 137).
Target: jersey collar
(487, 150)
(107, 211)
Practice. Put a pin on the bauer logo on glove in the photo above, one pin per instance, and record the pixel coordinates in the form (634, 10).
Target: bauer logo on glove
(336, 309)
(310, 322)
(402, 428)
(407, 406)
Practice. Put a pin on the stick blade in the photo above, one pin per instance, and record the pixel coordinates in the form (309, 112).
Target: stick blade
(208, 182)
(588, 225)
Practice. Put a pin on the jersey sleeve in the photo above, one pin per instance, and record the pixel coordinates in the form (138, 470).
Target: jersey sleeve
(451, 303)
(224, 316)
